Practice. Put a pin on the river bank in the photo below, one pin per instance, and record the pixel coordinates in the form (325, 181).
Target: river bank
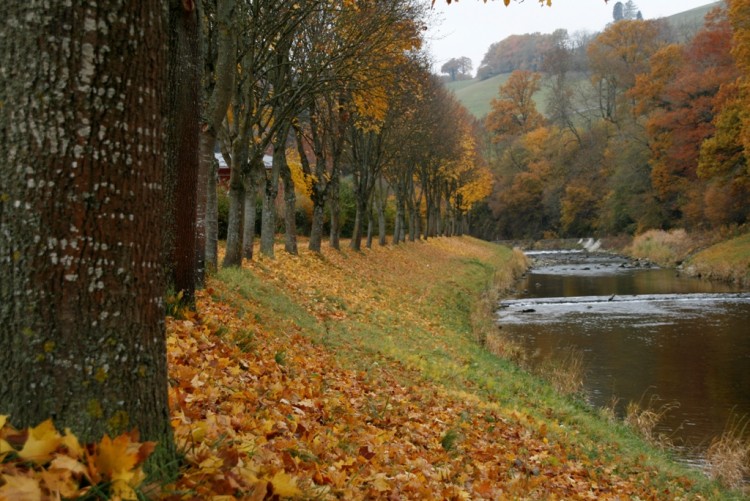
(363, 375)
(710, 256)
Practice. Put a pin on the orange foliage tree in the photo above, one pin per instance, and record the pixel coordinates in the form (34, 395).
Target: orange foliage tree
(514, 111)
(616, 57)
(723, 156)
(682, 90)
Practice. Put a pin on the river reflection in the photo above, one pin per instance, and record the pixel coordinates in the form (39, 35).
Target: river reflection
(645, 333)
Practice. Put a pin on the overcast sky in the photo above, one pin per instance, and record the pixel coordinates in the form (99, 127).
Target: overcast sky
(469, 27)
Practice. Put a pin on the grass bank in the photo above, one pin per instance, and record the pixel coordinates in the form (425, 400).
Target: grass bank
(729, 261)
(368, 375)
(714, 256)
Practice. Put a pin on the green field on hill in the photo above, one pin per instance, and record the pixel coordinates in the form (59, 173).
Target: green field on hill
(476, 94)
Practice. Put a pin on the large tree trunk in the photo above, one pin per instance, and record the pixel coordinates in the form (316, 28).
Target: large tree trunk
(186, 224)
(251, 209)
(316, 228)
(398, 227)
(381, 215)
(248, 228)
(370, 227)
(233, 254)
(356, 241)
(212, 205)
(333, 203)
(237, 179)
(82, 164)
(270, 191)
(290, 208)
(214, 112)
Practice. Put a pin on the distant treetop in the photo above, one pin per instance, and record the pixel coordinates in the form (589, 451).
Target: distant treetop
(627, 10)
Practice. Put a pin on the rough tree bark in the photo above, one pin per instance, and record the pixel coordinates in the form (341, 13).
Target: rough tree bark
(270, 191)
(335, 207)
(290, 210)
(382, 199)
(248, 228)
(233, 253)
(82, 163)
(187, 248)
(215, 110)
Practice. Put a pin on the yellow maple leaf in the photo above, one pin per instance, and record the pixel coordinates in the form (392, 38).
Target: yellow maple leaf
(198, 433)
(20, 489)
(71, 442)
(285, 485)
(42, 442)
(380, 482)
(115, 456)
(3, 420)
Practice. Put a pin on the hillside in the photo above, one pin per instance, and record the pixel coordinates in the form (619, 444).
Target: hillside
(477, 94)
(360, 376)
(688, 22)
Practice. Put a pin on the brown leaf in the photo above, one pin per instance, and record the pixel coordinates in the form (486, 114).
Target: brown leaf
(18, 488)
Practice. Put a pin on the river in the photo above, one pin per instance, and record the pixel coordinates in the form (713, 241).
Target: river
(647, 335)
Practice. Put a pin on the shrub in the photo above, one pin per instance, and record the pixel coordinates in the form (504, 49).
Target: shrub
(662, 247)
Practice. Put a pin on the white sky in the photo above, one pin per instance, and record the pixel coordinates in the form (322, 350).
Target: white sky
(469, 27)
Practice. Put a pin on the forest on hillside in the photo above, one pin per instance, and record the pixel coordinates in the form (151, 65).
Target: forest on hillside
(641, 130)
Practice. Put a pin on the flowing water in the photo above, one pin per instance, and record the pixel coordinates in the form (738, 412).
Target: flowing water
(647, 335)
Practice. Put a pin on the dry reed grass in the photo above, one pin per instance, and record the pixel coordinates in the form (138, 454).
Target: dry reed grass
(728, 456)
(564, 371)
(662, 247)
(645, 418)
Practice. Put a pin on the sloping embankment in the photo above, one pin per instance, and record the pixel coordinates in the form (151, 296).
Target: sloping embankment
(358, 375)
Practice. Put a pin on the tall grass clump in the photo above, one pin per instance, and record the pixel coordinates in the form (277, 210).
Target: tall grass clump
(644, 419)
(662, 247)
(728, 456)
(564, 371)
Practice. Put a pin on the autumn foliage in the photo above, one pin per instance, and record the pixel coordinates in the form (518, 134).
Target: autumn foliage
(652, 134)
(40, 463)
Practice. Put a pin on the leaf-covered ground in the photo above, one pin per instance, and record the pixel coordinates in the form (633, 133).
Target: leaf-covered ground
(314, 377)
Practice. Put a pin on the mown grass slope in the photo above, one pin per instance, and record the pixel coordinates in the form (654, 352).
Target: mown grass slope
(360, 375)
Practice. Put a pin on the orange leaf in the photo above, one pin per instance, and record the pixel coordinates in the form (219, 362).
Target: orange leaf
(61, 482)
(145, 450)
